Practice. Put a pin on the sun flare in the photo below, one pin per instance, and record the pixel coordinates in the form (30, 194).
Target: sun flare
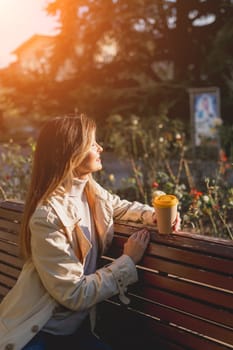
(19, 20)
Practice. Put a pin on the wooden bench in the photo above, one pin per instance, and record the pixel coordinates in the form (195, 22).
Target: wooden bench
(183, 300)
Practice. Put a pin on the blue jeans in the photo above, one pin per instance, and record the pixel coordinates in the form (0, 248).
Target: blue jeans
(83, 339)
(37, 343)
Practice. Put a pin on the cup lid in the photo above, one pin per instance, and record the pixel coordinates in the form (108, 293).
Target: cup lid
(165, 201)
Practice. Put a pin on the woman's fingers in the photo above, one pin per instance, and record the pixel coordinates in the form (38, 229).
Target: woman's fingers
(141, 235)
(136, 244)
(177, 223)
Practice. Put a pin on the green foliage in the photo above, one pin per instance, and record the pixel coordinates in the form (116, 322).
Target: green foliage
(205, 209)
(158, 51)
(226, 135)
(147, 143)
(15, 164)
(161, 161)
(211, 211)
(162, 47)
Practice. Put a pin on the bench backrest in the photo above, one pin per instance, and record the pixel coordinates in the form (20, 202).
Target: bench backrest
(184, 297)
(185, 293)
(10, 262)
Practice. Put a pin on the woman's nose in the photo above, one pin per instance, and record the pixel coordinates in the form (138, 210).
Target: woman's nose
(100, 148)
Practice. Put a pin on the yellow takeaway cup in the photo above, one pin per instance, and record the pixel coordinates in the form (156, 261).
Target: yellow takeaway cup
(166, 211)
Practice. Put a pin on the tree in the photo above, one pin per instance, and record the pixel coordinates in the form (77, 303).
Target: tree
(143, 34)
(136, 57)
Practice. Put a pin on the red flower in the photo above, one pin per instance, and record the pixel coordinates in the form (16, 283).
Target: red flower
(222, 156)
(195, 193)
(155, 184)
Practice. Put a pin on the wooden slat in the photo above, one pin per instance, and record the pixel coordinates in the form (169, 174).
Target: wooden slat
(9, 236)
(122, 321)
(188, 257)
(189, 272)
(9, 226)
(210, 245)
(10, 215)
(202, 327)
(182, 286)
(9, 247)
(189, 316)
(12, 205)
(193, 258)
(221, 298)
(11, 260)
(179, 267)
(185, 338)
(193, 307)
(10, 270)
(182, 319)
(7, 281)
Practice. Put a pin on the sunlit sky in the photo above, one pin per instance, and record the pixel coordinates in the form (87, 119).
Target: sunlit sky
(19, 20)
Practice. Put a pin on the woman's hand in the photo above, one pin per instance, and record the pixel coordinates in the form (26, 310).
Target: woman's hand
(136, 245)
(177, 223)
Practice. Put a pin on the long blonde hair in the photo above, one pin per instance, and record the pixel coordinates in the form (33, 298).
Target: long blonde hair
(62, 145)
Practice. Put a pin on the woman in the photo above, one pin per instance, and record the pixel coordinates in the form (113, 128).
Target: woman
(67, 224)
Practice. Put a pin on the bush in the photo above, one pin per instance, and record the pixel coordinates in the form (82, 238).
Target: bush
(162, 160)
(15, 164)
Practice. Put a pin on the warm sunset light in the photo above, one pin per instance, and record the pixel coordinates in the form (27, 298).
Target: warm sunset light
(19, 20)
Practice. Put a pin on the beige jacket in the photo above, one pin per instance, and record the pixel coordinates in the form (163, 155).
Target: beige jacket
(55, 275)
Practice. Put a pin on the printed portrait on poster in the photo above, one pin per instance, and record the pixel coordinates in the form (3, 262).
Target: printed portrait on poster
(205, 116)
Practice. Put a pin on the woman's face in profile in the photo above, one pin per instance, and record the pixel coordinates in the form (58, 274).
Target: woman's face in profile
(92, 162)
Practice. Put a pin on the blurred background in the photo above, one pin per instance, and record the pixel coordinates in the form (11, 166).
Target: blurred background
(140, 68)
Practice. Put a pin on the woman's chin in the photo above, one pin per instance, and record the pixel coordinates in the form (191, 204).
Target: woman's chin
(98, 167)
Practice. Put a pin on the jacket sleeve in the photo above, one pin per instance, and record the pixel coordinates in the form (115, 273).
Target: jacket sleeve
(62, 273)
(126, 210)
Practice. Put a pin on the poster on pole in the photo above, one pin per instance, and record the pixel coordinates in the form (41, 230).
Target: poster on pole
(205, 116)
